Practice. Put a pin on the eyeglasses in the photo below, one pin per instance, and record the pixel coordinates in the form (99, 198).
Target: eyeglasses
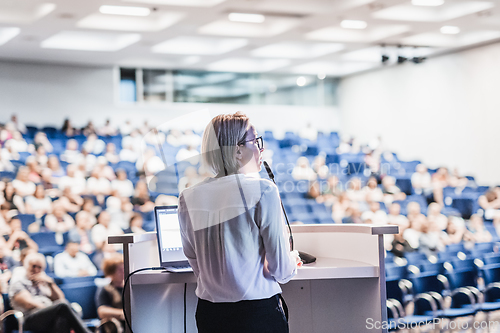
(36, 266)
(259, 141)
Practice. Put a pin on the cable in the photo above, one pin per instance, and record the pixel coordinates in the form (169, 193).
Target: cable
(125, 287)
(185, 289)
(271, 176)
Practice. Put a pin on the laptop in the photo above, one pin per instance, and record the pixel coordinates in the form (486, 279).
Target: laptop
(168, 235)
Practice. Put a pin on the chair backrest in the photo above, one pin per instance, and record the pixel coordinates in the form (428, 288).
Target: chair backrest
(462, 278)
(393, 290)
(431, 267)
(426, 282)
(491, 258)
(491, 273)
(396, 271)
(84, 294)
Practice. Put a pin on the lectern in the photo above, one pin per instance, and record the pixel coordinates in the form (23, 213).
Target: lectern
(343, 292)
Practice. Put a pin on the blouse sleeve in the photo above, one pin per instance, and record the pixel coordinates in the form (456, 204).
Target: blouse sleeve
(187, 235)
(280, 262)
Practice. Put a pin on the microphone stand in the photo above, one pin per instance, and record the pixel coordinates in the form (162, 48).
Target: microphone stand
(305, 257)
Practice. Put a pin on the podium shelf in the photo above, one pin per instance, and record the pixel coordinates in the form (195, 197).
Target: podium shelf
(323, 268)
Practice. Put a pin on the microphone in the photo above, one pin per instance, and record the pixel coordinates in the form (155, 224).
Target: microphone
(305, 257)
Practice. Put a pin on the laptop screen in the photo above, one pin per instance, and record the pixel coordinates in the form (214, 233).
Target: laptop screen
(169, 236)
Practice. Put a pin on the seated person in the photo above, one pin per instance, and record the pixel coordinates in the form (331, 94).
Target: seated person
(391, 191)
(80, 233)
(430, 241)
(136, 222)
(303, 171)
(373, 192)
(72, 262)
(413, 233)
(454, 232)
(42, 301)
(59, 221)
(374, 215)
(109, 297)
(395, 217)
(438, 221)
(7, 264)
(477, 231)
(18, 239)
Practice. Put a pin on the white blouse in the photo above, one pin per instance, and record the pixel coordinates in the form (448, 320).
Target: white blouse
(234, 236)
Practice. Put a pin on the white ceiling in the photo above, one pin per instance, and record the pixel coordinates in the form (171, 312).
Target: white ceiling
(297, 36)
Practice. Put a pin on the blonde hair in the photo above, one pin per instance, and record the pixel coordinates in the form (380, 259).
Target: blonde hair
(220, 139)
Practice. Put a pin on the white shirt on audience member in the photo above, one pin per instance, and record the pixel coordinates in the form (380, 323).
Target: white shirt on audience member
(67, 266)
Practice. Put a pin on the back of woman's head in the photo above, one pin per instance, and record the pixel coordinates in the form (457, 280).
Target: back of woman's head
(220, 139)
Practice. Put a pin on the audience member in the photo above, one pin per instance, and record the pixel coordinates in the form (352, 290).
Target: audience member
(94, 145)
(438, 221)
(303, 171)
(136, 222)
(391, 191)
(57, 171)
(42, 301)
(72, 262)
(395, 217)
(413, 233)
(109, 297)
(103, 229)
(68, 129)
(18, 240)
(39, 203)
(454, 232)
(430, 240)
(373, 192)
(141, 199)
(421, 181)
(122, 184)
(73, 180)
(80, 233)
(71, 155)
(111, 154)
(22, 184)
(59, 221)
(191, 177)
(477, 232)
(41, 140)
(375, 215)
(7, 265)
(11, 198)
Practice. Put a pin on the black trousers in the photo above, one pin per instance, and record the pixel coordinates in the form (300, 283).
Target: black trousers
(255, 316)
(57, 318)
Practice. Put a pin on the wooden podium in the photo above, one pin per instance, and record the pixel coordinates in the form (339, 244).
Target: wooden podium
(344, 291)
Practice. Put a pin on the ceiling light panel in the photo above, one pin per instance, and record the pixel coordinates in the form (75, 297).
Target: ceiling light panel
(333, 68)
(245, 17)
(155, 22)
(353, 24)
(449, 30)
(7, 34)
(124, 10)
(90, 41)
(448, 11)
(336, 34)
(247, 65)
(428, 3)
(296, 50)
(20, 12)
(184, 3)
(271, 27)
(199, 45)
